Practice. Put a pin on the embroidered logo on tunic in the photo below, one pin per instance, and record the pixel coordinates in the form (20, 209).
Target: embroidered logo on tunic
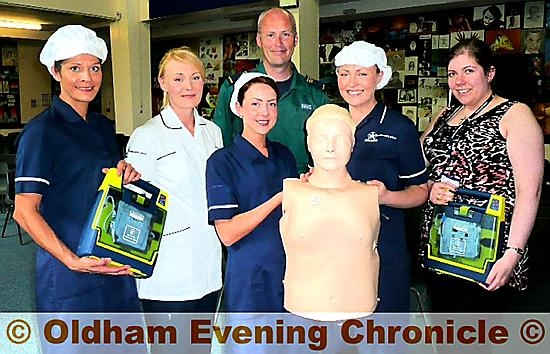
(372, 137)
(306, 106)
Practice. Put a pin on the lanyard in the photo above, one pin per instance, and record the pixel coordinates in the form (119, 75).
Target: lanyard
(476, 112)
(450, 167)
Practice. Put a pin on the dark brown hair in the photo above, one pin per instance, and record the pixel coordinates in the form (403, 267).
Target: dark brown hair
(257, 80)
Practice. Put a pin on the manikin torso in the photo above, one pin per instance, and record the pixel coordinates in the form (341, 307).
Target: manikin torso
(330, 237)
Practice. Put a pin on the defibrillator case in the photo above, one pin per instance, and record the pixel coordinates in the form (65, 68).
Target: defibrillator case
(466, 240)
(126, 224)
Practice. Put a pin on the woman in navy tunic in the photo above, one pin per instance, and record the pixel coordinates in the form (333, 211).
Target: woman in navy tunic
(387, 153)
(60, 157)
(244, 184)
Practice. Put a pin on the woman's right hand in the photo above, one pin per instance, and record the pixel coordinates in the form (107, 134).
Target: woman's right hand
(97, 266)
(442, 193)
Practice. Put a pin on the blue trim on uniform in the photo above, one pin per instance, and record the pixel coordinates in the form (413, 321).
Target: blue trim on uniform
(60, 147)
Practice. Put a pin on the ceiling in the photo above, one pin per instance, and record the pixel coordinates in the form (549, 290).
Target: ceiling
(50, 20)
(227, 19)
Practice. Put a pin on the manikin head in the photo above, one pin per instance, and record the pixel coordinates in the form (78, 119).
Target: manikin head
(330, 137)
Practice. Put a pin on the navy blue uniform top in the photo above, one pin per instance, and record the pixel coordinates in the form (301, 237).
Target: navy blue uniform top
(387, 148)
(60, 157)
(238, 179)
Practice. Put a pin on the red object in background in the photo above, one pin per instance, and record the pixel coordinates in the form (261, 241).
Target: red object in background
(504, 41)
(245, 65)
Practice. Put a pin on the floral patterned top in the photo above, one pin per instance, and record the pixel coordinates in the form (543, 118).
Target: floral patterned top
(473, 153)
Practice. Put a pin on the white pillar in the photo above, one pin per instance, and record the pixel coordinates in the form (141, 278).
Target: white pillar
(130, 46)
(306, 55)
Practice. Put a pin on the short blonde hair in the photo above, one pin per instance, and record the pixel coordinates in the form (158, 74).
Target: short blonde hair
(330, 112)
(183, 54)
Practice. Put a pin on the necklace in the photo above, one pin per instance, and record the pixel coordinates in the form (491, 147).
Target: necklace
(476, 112)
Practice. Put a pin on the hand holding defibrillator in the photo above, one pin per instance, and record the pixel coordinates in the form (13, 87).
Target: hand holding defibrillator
(126, 170)
(443, 192)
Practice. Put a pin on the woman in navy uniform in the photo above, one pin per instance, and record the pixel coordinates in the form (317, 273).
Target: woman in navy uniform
(244, 181)
(60, 157)
(387, 153)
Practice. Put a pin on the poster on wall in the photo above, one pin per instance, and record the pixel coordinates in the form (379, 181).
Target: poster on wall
(533, 16)
(210, 54)
(432, 98)
(456, 36)
(10, 116)
(488, 17)
(512, 15)
(9, 54)
(504, 41)
(409, 112)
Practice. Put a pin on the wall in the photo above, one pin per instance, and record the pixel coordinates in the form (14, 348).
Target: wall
(34, 79)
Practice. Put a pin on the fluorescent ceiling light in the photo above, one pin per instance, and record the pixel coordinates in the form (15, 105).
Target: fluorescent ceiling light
(20, 25)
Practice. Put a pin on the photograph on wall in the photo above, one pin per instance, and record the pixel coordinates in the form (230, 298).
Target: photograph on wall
(432, 98)
(504, 41)
(435, 41)
(533, 16)
(230, 47)
(254, 51)
(459, 21)
(535, 66)
(443, 41)
(424, 55)
(396, 80)
(433, 87)
(438, 105)
(327, 52)
(409, 112)
(420, 24)
(541, 110)
(208, 102)
(532, 41)
(424, 113)
(411, 66)
(456, 36)
(9, 54)
(488, 17)
(396, 59)
(406, 96)
(244, 46)
(210, 54)
(512, 15)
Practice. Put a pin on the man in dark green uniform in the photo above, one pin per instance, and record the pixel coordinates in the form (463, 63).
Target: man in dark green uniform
(299, 96)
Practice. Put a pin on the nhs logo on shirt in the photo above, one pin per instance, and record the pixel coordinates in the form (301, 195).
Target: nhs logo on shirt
(372, 137)
(306, 106)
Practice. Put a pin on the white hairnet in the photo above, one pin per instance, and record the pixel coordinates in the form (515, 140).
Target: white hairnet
(241, 81)
(69, 41)
(365, 54)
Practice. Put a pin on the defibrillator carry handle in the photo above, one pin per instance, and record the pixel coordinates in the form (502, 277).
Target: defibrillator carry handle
(128, 193)
(473, 193)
